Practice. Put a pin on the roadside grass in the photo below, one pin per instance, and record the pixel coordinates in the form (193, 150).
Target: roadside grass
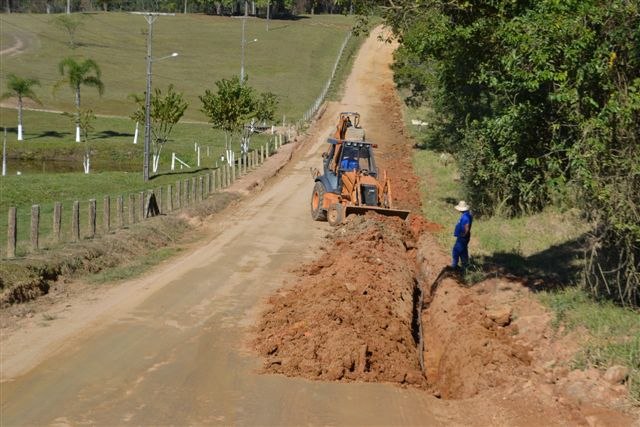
(135, 268)
(545, 249)
(293, 59)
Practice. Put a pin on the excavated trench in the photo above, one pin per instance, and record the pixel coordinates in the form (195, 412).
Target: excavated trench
(376, 306)
(356, 313)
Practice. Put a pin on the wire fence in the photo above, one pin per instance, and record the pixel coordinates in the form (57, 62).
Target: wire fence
(318, 102)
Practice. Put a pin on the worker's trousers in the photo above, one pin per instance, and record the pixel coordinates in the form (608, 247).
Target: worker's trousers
(460, 253)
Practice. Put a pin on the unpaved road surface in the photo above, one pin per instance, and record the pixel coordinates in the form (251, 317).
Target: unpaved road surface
(175, 348)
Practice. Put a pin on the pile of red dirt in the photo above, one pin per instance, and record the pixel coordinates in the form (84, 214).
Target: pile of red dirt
(350, 316)
(494, 338)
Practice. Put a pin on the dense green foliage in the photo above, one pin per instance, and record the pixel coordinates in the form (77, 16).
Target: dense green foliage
(539, 101)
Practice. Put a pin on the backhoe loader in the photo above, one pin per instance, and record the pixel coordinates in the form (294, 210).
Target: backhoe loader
(351, 183)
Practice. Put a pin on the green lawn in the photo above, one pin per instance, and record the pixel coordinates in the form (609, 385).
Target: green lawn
(50, 136)
(293, 59)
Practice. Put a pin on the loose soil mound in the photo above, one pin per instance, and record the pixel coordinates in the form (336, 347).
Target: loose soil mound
(350, 316)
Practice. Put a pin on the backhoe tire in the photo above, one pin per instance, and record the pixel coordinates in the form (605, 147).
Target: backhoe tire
(335, 214)
(317, 198)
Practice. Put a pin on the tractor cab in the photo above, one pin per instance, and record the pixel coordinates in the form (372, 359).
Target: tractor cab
(347, 156)
(350, 182)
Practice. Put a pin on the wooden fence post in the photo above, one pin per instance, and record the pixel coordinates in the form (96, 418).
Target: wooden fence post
(75, 222)
(12, 233)
(120, 211)
(261, 154)
(106, 214)
(212, 180)
(57, 221)
(158, 194)
(202, 193)
(92, 218)
(142, 205)
(35, 226)
(233, 173)
(169, 198)
(178, 194)
(218, 179)
(187, 192)
(132, 209)
(223, 183)
(194, 190)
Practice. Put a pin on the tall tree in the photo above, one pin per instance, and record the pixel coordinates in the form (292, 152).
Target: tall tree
(21, 88)
(77, 74)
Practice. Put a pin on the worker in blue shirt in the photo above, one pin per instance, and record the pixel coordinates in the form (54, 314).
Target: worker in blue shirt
(462, 233)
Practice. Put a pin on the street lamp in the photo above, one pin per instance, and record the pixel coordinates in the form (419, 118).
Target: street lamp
(244, 43)
(147, 110)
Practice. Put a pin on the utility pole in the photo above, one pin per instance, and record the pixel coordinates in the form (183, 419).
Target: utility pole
(150, 17)
(244, 22)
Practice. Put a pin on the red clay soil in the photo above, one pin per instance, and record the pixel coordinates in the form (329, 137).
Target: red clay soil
(350, 314)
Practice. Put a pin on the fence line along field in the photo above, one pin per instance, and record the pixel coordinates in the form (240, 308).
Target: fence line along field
(60, 220)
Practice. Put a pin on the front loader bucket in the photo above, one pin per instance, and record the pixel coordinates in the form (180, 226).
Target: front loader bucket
(361, 210)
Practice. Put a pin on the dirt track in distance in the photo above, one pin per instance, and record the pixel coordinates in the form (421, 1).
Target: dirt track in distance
(175, 347)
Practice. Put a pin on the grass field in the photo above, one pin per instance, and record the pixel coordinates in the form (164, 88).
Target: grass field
(544, 247)
(293, 59)
(111, 142)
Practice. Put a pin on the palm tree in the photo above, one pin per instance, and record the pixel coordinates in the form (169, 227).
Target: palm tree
(77, 74)
(20, 88)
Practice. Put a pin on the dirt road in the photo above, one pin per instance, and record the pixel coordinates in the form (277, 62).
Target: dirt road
(173, 350)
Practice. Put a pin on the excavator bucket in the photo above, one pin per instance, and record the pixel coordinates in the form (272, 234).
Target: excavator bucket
(361, 210)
